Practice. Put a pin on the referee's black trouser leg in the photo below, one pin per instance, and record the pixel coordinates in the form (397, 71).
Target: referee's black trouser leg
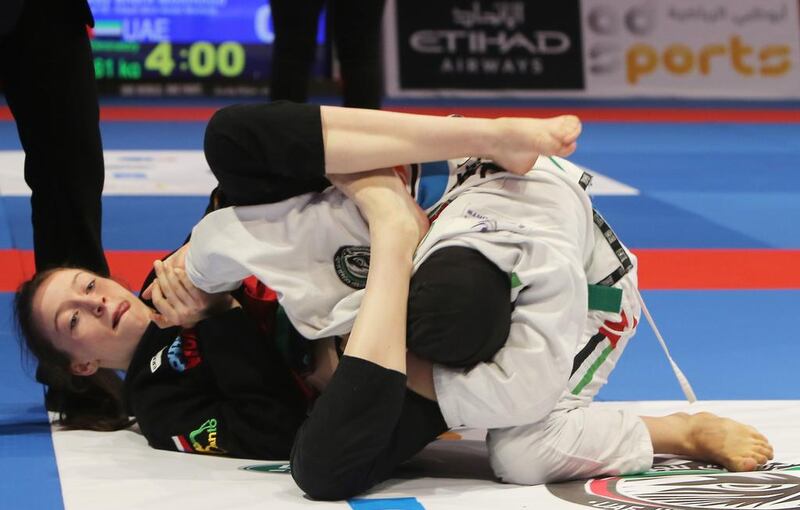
(47, 67)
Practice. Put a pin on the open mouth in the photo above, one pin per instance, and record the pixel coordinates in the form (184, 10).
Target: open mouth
(118, 313)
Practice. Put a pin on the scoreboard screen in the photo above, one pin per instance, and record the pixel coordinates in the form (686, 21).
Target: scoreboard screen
(186, 47)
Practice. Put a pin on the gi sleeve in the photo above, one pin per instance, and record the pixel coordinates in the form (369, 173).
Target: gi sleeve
(213, 261)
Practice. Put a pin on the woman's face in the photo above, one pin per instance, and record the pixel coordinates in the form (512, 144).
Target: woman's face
(95, 320)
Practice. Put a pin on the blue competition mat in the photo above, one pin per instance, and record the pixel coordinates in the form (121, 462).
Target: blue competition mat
(703, 186)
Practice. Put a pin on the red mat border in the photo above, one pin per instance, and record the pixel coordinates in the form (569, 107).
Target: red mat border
(660, 269)
(633, 114)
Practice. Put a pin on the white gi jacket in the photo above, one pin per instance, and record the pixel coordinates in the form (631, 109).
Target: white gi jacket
(536, 227)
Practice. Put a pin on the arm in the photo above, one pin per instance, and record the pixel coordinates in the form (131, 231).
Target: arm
(396, 226)
(364, 424)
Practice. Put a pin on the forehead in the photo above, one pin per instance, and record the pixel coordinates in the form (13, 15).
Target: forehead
(54, 289)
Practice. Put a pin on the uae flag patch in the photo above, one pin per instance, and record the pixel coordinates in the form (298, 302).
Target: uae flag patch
(182, 444)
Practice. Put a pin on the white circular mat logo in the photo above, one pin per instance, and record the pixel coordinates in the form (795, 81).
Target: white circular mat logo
(688, 486)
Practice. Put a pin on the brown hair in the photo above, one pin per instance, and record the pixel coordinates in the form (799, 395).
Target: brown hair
(83, 402)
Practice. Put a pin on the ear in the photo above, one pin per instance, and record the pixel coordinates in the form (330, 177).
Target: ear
(83, 369)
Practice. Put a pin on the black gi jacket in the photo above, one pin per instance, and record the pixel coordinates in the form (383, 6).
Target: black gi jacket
(221, 388)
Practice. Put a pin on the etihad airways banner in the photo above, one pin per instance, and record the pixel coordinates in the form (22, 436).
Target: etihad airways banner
(692, 48)
(482, 47)
(593, 48)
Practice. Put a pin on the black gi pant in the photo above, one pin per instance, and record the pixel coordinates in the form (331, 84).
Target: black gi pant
(47, 72)
(366, 422)
(356, 28)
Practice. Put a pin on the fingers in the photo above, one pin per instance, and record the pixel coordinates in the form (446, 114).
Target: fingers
(196, 295)
(166, 316)
(146, 293)
(178, 301)
(176, 260)
(173, 286)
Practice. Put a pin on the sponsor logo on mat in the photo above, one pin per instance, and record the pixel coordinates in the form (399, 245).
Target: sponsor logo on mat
(687, 485)
(269, 468)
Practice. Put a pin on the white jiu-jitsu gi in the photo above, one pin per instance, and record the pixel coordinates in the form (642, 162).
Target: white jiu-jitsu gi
(539, 228)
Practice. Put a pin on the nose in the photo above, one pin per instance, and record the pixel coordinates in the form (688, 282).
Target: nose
(97, 305)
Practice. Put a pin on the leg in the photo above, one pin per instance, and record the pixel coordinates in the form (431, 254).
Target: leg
(576, 440)
(577, 443)
(361, 428)
(295, 24)
(257, 161)
(51, 92)
(364, 424)
(588, 442)
(356, 33)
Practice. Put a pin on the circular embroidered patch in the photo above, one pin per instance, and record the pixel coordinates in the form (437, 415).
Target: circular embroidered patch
(352, 265)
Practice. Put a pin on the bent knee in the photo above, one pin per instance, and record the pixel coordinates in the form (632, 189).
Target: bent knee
(519, 469)
(323, 478)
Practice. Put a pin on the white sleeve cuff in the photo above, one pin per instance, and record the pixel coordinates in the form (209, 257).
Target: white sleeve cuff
(203, 282)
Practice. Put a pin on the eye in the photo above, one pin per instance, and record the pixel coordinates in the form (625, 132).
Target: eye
(90, 286)
(73, 321)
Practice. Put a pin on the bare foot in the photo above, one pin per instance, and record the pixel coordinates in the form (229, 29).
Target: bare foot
(521, 141)
(735, 446)
(707, 437)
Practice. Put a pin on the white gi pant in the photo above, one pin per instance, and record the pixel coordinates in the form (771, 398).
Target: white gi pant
(539, 229)
(577, 440)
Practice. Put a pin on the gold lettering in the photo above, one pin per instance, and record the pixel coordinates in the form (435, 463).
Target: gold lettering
(679, 59)
(707, 53)
(641, 59)
(738, 53)
(775, 60)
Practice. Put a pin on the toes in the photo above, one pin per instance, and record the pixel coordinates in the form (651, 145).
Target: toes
(568, 149)
(765, 451)
(570, 128)
(743, 464)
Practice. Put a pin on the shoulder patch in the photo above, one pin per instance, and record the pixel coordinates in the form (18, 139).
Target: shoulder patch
(201, 440)
(184, 354)
(155, 361)
(352, 265)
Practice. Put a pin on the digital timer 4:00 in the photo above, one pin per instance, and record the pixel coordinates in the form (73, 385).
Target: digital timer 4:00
(201, 59)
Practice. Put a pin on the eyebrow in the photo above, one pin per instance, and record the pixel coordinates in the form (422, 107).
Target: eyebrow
(58, 312)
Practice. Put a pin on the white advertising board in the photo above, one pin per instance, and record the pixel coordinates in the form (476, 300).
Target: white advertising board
(691, 48)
